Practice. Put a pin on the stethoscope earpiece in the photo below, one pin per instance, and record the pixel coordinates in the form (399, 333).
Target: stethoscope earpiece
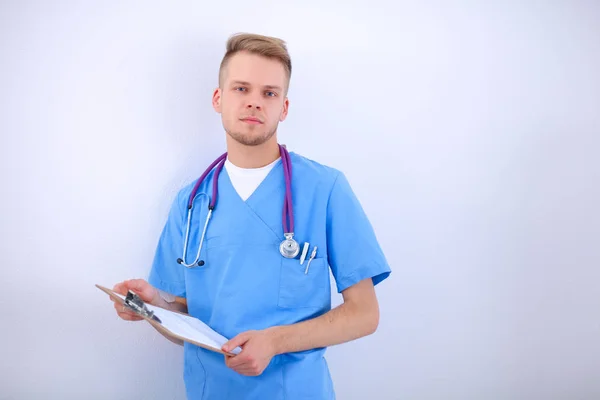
(200, 263)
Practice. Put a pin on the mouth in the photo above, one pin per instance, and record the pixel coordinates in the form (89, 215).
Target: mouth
(251, 120)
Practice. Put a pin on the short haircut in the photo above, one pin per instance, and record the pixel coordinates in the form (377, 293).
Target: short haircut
(266, 46)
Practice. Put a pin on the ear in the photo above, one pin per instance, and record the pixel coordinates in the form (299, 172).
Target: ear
(284, 110)
(216, 100)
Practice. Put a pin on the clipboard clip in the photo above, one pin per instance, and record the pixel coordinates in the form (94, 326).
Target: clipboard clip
(136, 304)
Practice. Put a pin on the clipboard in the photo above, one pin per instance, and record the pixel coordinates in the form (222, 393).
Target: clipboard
(199, 333)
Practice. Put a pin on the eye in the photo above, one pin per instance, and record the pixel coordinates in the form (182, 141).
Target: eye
(240, 88)
(271, 93)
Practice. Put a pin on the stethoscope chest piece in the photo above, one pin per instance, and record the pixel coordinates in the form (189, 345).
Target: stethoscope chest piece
(289, 248)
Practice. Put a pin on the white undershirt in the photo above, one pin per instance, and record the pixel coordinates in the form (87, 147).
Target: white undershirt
(246, 180)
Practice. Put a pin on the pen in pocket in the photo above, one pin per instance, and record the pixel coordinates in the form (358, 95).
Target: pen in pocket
(304, 251)
(312, 256)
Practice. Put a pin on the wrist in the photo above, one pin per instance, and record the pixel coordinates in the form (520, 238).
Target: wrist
(276, 335)
(159, 301)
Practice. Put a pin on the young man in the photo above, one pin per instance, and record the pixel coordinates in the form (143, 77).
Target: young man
(277, 309)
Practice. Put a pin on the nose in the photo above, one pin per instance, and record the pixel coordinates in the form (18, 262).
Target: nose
(253, 103)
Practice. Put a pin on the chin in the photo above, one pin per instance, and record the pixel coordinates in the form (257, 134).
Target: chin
(249, 140)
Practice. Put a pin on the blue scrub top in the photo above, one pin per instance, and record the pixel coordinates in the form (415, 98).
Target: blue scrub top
(245, 283)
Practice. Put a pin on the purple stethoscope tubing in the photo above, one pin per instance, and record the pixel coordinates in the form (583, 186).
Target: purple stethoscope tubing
(289, 248)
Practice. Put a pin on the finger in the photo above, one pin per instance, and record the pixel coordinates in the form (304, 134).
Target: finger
(243, 367)
(248, 371)
(142, 288)
(232, 361)
(239, 340)
(228, 361)
(122, 310)
(240, 360)
(138, 285)
(128, 315)
(120, 288)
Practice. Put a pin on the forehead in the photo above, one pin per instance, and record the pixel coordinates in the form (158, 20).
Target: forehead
(255, 69)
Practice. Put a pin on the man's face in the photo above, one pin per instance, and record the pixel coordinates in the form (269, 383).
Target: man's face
(251, 99)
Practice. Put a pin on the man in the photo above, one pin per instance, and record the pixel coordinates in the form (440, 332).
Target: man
(275, 308)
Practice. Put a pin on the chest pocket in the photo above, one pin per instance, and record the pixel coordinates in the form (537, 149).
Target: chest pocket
(300, 290)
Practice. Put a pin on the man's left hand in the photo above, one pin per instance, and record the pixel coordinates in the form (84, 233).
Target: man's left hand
(257, 350)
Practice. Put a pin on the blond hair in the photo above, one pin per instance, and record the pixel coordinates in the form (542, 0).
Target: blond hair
(266, 46)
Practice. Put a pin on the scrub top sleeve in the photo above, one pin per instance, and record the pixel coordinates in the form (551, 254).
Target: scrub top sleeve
(166, 274)
(352, 247)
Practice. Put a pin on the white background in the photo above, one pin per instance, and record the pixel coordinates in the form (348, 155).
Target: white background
(469, 130)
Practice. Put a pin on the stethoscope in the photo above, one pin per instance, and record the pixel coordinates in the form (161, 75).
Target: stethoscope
(288, 248)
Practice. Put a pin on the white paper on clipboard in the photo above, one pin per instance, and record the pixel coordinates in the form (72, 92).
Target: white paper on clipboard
(188, 328)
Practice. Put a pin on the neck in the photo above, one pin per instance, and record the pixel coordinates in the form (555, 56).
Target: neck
(252, 156)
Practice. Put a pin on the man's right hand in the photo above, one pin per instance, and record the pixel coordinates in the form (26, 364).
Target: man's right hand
(148, 293)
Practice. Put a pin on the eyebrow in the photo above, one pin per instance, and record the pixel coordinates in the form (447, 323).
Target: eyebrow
(274, 87)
